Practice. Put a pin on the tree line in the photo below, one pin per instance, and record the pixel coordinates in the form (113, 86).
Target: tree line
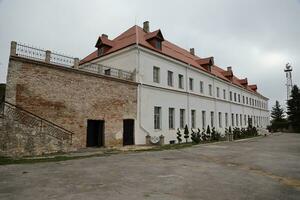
(290, 121)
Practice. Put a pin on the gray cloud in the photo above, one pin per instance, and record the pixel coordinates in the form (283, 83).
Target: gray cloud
(256, 37)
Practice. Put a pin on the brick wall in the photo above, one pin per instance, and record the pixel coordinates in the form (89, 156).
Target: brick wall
(69, 97)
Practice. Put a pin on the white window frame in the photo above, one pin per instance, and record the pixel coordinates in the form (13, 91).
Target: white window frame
(201, 87)
(182, 118)
(156, 74)
(191, 84)
(157, 117)
(171, 118)
(170, 78)
(220, 119)
(193, 118)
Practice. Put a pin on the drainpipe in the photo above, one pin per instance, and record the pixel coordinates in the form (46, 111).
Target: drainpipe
(188, 95)
(140, 85)
(216, 115)
(230, 110)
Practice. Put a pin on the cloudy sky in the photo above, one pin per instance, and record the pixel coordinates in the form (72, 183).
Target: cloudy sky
(256, 37)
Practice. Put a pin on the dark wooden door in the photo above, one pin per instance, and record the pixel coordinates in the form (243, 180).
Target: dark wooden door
(128, 132)
(95, 133)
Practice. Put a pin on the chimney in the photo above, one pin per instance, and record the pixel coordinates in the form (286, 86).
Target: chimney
(104, 35)
(146, 26)
(229, 68)
(192, 51)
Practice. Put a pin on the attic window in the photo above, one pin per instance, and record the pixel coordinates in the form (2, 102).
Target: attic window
(100, 51)
(158, 44)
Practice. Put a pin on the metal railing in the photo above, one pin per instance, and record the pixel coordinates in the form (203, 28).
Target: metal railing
(107, 71)
(30, 52)
(34, 53)
(47, 56)
(29, 119)
(61, 59)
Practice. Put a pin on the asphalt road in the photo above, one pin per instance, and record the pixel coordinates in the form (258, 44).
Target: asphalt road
(260, 168)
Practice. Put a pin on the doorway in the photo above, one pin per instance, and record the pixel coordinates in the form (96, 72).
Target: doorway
(128, 132)
(95, 133)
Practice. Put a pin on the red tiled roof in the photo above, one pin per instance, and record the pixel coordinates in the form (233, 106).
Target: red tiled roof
(205, 61)
(153, 34)
(136, 35)
(104, 40)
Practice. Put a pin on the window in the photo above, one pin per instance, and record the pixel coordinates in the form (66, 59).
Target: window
(201, 87)
(220, 119)
(232, 120)
(182, 118)
(234, 96)
(224, 94)
(193, 118)
(158, 44)
(243, 99)
(203, 119)
(239, 98)
(237, 119)
(226, 119)
(155, 74)
(218, 92)
(230, 96)
(107, 72)
(212, 124)
(210, 89)
(245, 120)
(171, 118)
(241, 120)
(100, 51)
(191, 81)
(170, 78)
(180, 81)
(247, 100)
(157, 117)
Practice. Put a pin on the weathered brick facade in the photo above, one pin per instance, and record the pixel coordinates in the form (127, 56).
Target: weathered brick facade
(69, 97)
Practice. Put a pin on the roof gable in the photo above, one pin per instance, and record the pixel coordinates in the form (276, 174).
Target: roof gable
(155, 34)
(103, 40)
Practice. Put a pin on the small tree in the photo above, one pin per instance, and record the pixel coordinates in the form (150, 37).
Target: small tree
(277, 114)
(203, 135)
(293, 109)
(186, 133)
(208, 132)
(213, 133)
(178, 136)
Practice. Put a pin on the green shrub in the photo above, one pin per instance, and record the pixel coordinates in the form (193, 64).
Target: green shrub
(178, 136)
(203, 135)
(186, 133)
(208, 133)
(196, 136)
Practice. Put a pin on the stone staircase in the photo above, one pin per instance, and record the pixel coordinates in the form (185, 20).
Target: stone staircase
(23, 133)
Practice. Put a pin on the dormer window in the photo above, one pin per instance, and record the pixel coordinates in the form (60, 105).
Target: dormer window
(103, 44)
(206, 63)
(155, 39)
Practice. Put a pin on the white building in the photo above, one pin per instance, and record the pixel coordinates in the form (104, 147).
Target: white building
(177, 87)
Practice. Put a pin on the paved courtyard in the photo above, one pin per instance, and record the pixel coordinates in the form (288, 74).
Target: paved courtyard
(260, 168)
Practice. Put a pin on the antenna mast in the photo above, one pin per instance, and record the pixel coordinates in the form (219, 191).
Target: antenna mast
(289, 84)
